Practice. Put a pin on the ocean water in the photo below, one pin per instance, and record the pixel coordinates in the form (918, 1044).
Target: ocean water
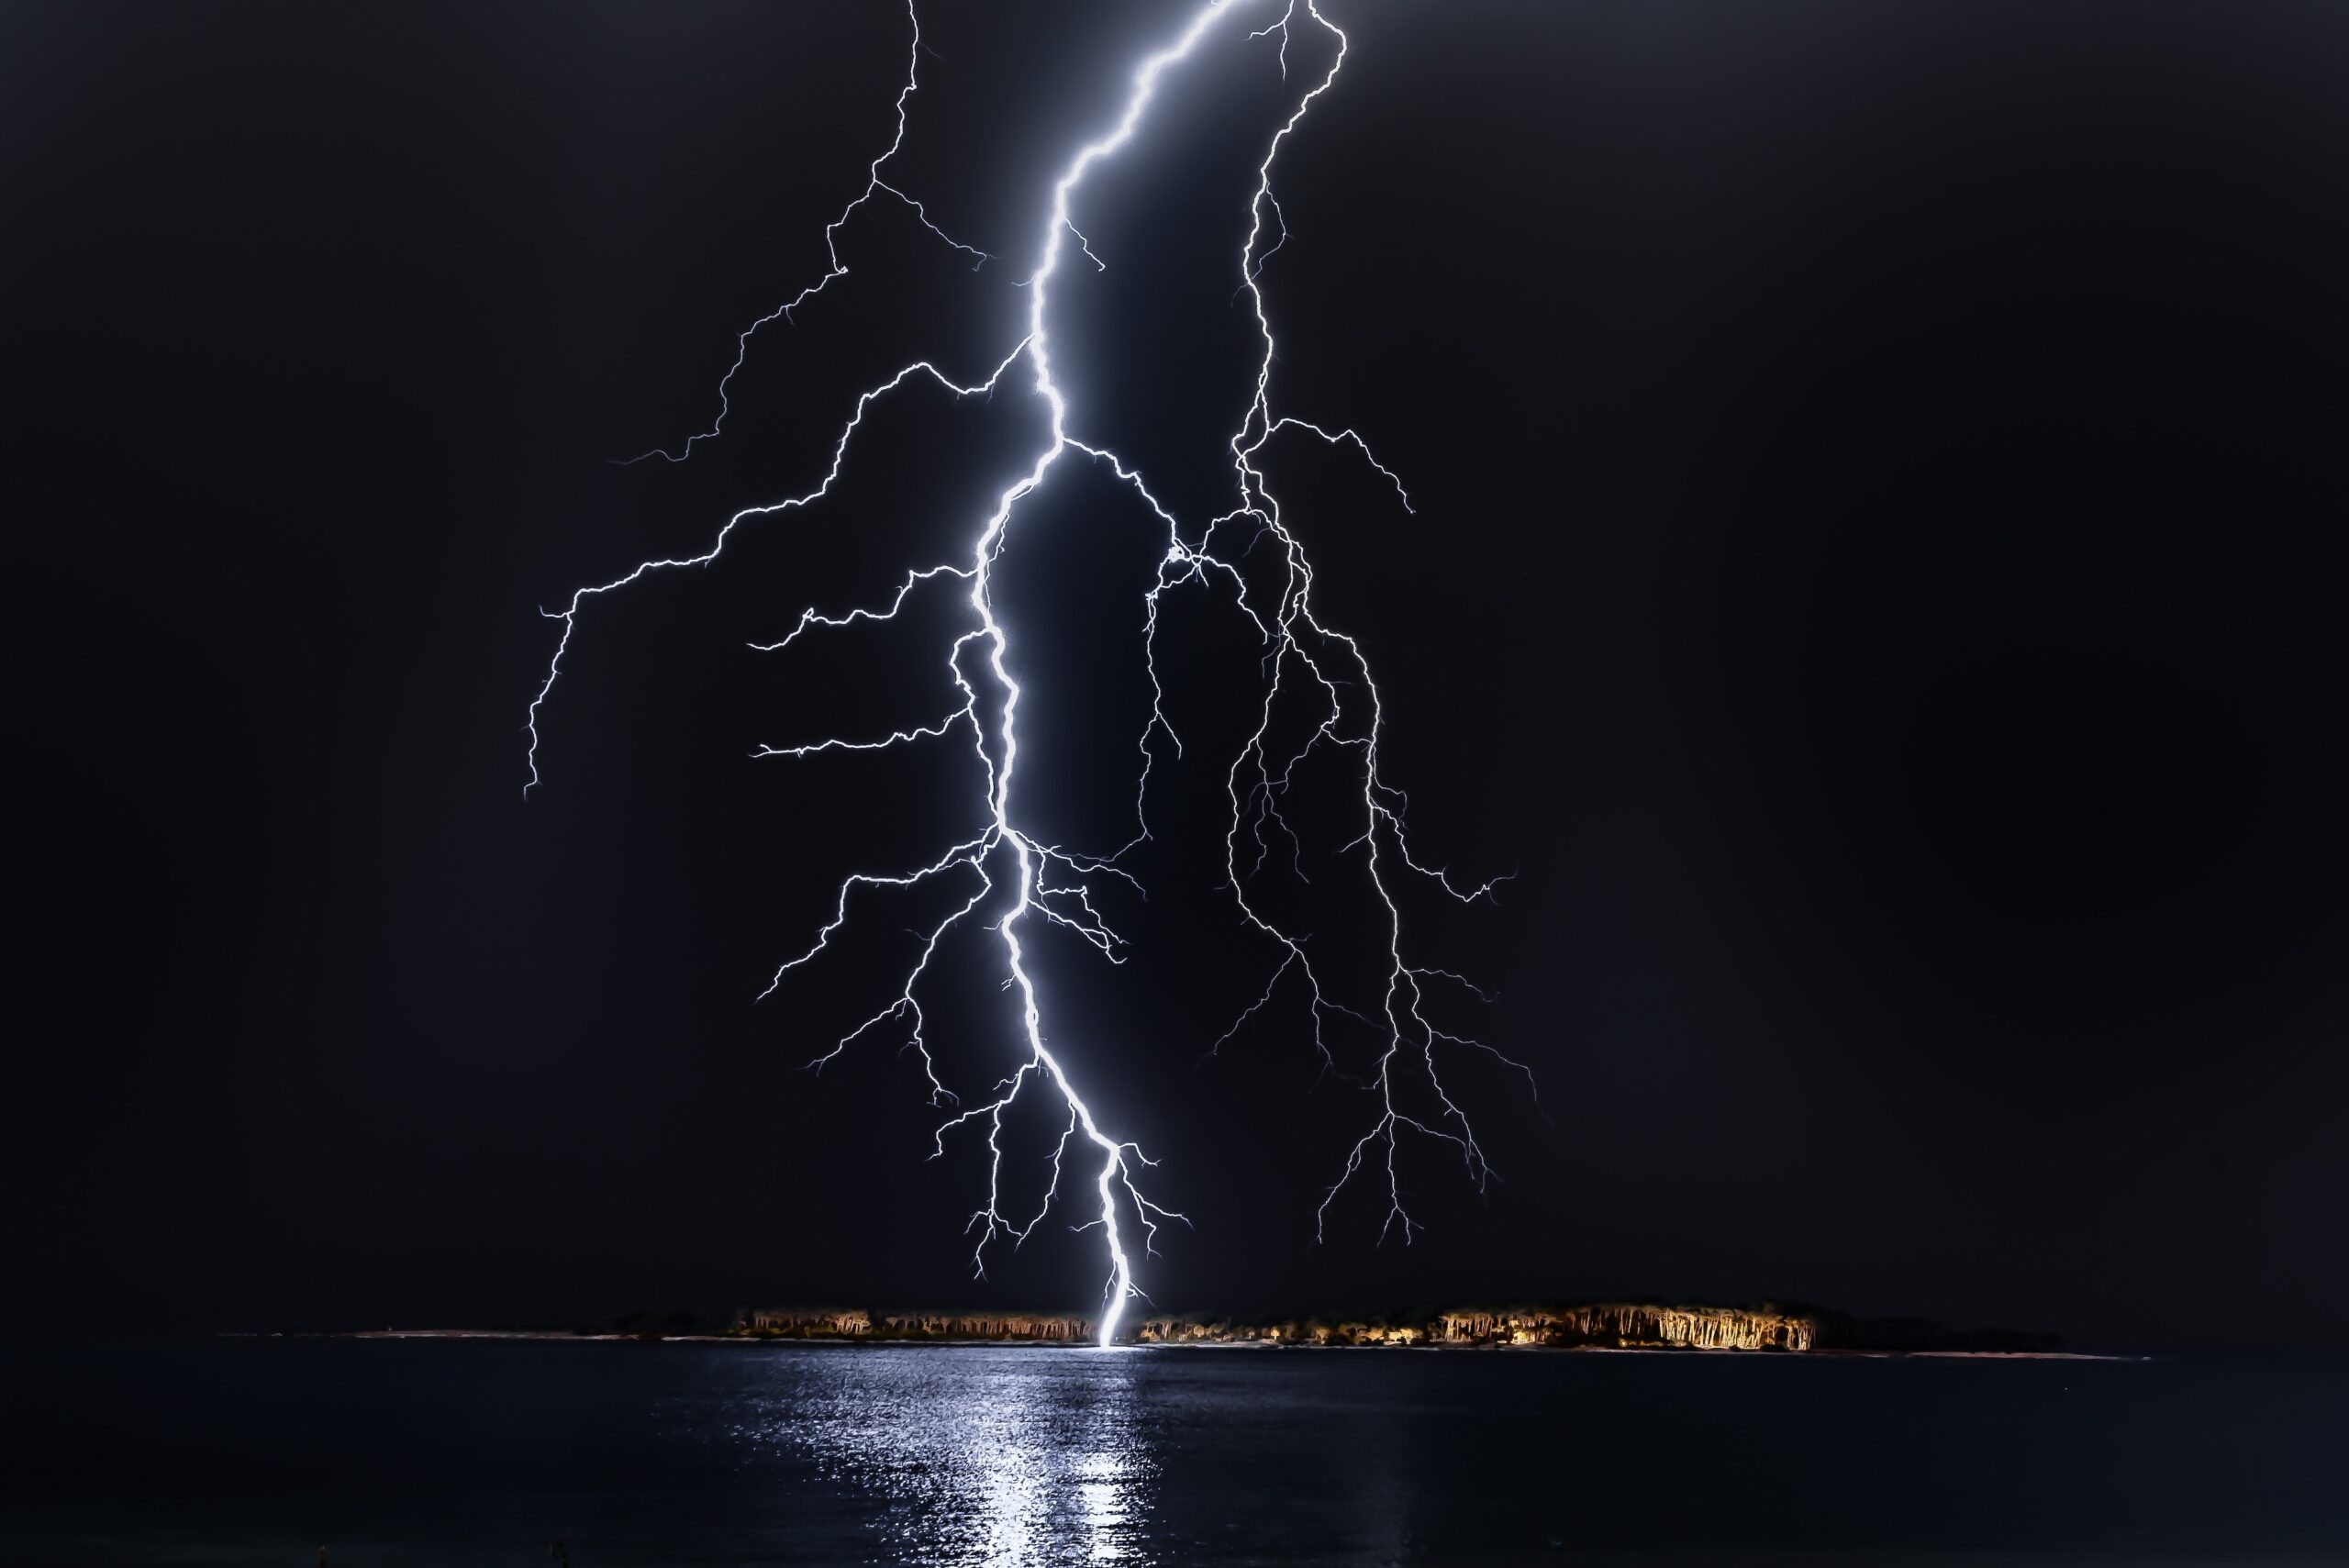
(259, 1451)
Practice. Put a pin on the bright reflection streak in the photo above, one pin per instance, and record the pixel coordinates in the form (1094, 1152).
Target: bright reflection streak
(1003, 1456)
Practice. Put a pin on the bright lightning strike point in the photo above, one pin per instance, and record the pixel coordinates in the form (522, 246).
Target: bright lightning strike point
(1302, 652)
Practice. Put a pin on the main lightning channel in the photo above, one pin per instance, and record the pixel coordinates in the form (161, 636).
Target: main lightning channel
(1299, 648)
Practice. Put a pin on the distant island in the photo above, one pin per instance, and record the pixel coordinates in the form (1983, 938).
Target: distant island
(1592, 1326)
(1614, 1325)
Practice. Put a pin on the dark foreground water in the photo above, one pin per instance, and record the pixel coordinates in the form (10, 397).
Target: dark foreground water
(446, 1453)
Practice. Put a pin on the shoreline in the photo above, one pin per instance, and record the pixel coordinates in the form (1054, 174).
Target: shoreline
(851, 1342)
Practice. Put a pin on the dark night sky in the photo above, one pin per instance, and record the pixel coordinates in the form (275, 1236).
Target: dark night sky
(1877, 579)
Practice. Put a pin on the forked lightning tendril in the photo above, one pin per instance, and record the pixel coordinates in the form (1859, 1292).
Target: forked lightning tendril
(875, 186)
(1306, 663)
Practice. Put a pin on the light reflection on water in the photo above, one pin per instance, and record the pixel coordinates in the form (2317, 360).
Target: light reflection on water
(442, 1454)
(955, 1456)
(1031, 1455)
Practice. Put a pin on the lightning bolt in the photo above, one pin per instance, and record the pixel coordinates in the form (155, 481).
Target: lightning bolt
(1305, 662)
(875, 186)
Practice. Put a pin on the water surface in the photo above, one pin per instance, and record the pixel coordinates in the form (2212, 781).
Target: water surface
(466, 1452)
